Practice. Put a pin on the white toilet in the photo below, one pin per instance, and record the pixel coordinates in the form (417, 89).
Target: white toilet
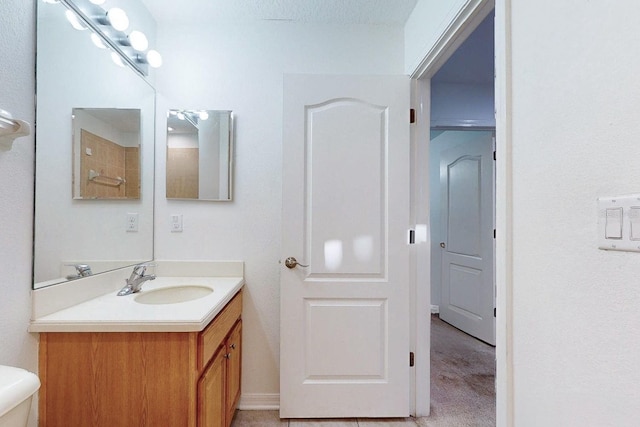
(17, 386)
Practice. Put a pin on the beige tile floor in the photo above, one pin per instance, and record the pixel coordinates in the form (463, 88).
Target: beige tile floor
(271, 419)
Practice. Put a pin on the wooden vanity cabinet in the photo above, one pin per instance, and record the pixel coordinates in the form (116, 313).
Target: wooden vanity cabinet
(234, 371)
(219, 386)
(126, 379)
(212, 393)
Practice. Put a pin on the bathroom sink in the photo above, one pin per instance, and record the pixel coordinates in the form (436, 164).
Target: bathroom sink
(173, 294)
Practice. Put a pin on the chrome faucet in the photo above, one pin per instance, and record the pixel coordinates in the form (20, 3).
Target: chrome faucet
(83, 270)
(135, 281)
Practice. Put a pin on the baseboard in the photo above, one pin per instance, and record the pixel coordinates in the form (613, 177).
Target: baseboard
(435, 309)
(259, 401)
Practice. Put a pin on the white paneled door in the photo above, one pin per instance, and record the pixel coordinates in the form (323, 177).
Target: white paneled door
(344, 348)
(466, 189)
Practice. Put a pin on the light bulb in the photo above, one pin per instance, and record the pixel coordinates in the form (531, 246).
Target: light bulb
(138, 40)
(170, 129)
(98, 2)
(203, 115)
(181, 116)
(74, 20)
(118, 19)
(117, 59)
(98, 41)
(154, 58)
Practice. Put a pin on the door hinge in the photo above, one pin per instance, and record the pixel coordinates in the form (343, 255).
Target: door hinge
(412, 115)
(494, 155)
(412, 237)
(494, 312)
(494, 233)
(412, 358)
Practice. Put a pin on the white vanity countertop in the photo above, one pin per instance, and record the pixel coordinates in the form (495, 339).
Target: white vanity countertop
(112, 313)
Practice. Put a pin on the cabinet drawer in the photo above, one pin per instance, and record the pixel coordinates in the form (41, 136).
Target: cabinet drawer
(213, 336)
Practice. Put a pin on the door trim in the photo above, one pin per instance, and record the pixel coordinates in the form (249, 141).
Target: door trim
(460, 27)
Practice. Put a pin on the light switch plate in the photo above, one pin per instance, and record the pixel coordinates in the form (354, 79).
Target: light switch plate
(176, 223)
(619, 223)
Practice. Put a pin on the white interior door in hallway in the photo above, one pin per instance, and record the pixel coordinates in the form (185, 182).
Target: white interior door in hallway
(466, 231)
(344, 348)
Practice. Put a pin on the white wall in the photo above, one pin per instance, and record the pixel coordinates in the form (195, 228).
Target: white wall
(575, 102)
(17, 41)
(462, 104)
(209, 158)
(182, 140)
(240, 68)
(424, 28)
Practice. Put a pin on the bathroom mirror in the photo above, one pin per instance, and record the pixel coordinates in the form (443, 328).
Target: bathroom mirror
(199, 155)
(76, 78)
(106, 153)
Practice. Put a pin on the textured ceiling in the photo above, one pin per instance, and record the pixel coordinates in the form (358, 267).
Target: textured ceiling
(383, 12)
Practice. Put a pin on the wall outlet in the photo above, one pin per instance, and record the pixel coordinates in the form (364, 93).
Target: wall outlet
(132, 222)
(176, 223)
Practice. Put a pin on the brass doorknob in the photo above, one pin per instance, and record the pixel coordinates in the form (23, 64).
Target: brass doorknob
(291, 262)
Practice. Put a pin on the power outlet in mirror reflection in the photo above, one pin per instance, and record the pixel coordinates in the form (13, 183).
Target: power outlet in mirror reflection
(176, 223)
(132, 222)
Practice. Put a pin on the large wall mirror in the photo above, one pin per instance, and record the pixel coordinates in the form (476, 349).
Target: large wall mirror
(199, 155)
(94, 155)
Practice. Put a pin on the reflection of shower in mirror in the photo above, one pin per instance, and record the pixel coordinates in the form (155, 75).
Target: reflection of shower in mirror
(199, 155)
(106, 153)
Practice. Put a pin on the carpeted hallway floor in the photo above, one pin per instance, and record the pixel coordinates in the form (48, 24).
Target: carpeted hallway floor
(462, 379)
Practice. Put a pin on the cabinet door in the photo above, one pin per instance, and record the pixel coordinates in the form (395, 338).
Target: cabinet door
(234, 361)
(211, 393)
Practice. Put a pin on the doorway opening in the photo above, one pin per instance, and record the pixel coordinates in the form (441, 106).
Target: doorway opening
(462, 223)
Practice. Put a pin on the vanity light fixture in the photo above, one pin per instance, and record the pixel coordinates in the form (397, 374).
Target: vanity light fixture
(74, 21)
(191, 116)
(118, 18)
(109, 31)
(138, 41)
(98, 41)
(154, 59)
(117, 59)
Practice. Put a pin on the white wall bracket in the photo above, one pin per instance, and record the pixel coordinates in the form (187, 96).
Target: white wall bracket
(10, 129)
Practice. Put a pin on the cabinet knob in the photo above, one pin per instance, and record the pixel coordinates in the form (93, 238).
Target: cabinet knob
(227, 356)
(233, 346)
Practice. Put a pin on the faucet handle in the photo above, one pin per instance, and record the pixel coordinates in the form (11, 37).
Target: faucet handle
(82, 269)
(140, 269)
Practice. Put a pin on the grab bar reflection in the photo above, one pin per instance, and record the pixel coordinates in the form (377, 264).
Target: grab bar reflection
(95, 177)
(10, 129)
